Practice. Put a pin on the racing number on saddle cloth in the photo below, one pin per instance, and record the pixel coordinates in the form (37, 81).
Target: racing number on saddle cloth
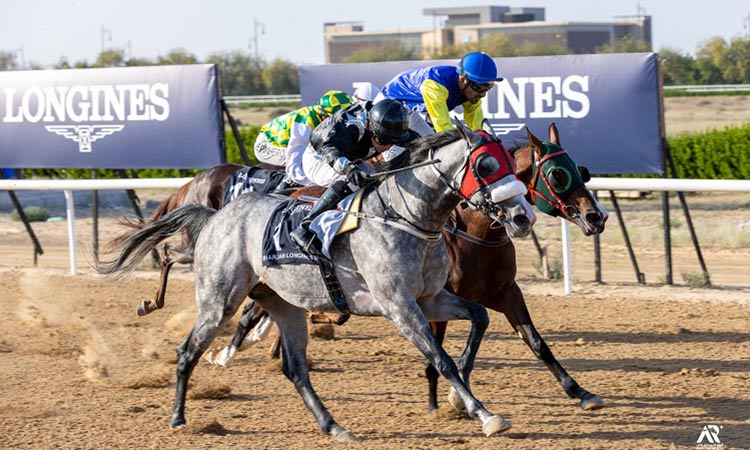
(251, 179)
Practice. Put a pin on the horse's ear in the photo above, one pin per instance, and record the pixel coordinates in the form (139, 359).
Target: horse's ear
(488, 129)
(554, 135)
(533, 140)
(462, 130)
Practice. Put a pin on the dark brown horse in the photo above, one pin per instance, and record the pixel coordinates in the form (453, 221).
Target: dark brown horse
(483, 262)
(483, 258)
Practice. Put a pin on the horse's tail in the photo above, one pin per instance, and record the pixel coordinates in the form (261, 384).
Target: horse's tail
(135, 246)
(133, 224)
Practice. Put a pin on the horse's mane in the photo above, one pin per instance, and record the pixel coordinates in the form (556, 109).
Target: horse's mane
(418, 149)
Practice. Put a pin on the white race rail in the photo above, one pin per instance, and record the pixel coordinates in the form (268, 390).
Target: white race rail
(68, 186)
(596, 184)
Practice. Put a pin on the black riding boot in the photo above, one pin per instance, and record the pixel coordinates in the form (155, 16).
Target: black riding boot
(302, 235)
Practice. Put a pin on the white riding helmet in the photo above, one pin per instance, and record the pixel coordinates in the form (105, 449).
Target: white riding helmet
(365, 92)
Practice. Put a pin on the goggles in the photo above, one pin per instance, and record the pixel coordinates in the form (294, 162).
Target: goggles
(480, 88)
(380, 141)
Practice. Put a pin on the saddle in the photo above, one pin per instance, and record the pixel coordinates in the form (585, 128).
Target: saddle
(254, 179)
(278, 248)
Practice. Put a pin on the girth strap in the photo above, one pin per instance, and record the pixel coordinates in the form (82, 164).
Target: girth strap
(335, 293)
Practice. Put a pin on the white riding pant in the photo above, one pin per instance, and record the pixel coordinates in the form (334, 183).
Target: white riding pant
(288, 157)
(317, 170)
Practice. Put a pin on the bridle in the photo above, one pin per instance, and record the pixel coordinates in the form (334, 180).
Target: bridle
(470, 185)
(557, 203)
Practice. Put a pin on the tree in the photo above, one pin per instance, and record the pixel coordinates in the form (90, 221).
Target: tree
(241, 74)
(110, 58)
(133, 62)
(529, 48)
(386, 51)
(496, 45)
(739, 57)
(713, 61)
(8, 61)
(625, 45)
(177, 56)
(281, 77)
(678, 68)
(499, 45)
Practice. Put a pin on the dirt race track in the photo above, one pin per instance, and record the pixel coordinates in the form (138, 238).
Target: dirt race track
(79, 370)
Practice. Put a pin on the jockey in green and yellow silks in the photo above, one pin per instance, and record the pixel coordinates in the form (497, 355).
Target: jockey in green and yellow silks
(282, 141)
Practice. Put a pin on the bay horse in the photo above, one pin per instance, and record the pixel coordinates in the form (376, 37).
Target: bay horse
(400, 228)
(483, 259)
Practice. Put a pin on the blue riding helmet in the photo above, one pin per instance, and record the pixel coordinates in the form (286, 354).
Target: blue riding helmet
(478, 67)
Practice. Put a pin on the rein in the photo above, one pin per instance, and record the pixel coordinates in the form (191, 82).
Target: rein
(452, 229)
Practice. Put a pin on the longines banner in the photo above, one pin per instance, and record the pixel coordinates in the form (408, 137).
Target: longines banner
(606, 107)
(132, 117)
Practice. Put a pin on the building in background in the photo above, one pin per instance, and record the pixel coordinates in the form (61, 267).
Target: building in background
(470, 24)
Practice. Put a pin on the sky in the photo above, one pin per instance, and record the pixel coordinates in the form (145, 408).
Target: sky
(44, 31)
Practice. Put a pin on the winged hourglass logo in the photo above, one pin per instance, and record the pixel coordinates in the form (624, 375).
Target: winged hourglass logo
(85, 135)
(502, 129)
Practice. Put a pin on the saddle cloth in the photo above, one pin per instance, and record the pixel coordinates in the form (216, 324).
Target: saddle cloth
(278, 247)
(251, 179)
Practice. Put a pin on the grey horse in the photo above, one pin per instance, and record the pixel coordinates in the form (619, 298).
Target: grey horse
(394, 265)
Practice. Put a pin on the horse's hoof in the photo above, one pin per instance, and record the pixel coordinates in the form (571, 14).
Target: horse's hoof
(592, 403)
(177, 423)
(347, 436)
(494, 425)
(222, 358)
(210, 357)
(142, 309)
(455, 401)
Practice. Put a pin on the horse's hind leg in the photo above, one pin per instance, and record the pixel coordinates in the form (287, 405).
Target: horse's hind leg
(408, 318)
(253, 318)
(214, 309)
(514, 308)
(148, 306)
(292, 325)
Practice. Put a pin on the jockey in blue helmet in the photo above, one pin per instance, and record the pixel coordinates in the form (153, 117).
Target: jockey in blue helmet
(432, 92)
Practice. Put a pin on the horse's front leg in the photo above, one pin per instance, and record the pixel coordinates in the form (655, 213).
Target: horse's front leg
(407, 316)
(512, 304)
(446, 304)
(167, 261)
(432, 375)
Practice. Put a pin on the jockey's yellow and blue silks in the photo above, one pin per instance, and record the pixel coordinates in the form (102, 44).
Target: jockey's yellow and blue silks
(434, 90)
(278, 130)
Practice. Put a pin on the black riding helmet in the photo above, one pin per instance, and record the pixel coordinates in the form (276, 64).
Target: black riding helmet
(389, 121)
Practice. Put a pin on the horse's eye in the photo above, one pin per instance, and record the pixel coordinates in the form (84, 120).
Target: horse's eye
(559, 179)
(486, 165)
(585, 174)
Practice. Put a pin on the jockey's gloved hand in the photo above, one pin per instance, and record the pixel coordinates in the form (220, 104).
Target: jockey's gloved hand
(357, 176)
(341, 165)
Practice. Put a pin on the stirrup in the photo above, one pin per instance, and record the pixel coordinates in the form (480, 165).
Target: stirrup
(310, 246)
